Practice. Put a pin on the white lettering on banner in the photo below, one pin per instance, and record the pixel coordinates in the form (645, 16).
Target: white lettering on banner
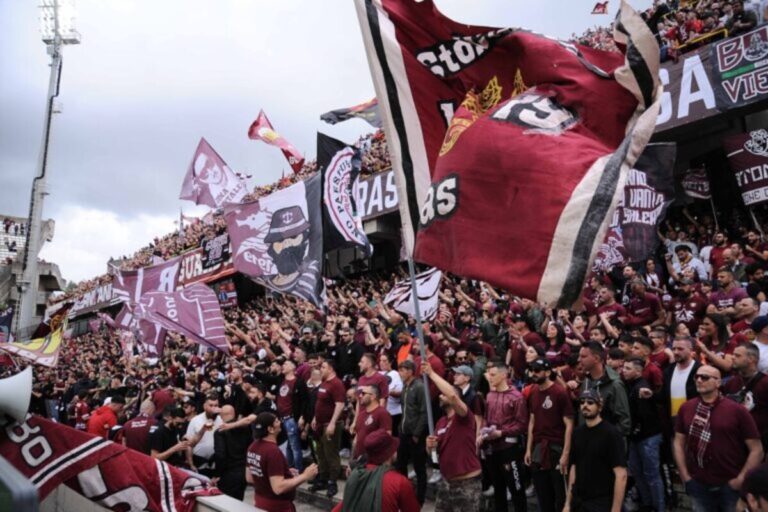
(449, 57)
(752, 175)
(170, 305)
(167, 278)
(32, 458)
(746, 87)
(390, 197)
(440, 201)
(755, 196)
(191, 266)
(96, 296)
(377, 194)
(694, 74)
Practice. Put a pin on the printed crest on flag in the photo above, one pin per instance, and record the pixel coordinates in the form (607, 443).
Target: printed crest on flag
(400, 297)
(510, 149)
(278, 240)
(262, 130)
(748, 158)
(210, 181)
(340, 166)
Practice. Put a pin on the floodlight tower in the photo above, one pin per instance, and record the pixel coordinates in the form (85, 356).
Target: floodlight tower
(57, 27)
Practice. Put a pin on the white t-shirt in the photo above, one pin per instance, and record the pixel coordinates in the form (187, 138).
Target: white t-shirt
(394, 406)
(677, 392)
(762, 365)
(204, 448)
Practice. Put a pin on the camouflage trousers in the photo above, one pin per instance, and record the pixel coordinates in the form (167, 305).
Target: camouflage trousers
(459, 495)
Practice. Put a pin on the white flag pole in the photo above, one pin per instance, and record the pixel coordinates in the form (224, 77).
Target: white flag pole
(420, 334)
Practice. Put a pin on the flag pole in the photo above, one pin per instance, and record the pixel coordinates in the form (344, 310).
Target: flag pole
(757, 224)
(420, 334)
(714, 212)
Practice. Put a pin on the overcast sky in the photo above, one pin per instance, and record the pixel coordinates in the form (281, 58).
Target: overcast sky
(151, 77)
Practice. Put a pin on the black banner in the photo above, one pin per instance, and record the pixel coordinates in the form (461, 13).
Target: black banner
(215, 250)
(740, 69)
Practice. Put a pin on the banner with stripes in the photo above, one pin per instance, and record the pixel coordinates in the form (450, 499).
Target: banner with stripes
(400, 297)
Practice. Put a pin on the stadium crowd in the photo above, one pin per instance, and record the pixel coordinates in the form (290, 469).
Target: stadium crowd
(656, 377)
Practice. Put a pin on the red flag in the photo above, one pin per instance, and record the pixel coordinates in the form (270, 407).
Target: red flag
(261, 129)
(130, 285)
(510, 149)
(600, 8)
(210, 181)
(49, 454)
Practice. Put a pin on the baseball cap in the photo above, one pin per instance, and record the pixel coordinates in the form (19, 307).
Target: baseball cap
(591, 394)
(464, 370)
(306, 330)
(408, 365)
(540, 364)
(759, 323)
(263, 421)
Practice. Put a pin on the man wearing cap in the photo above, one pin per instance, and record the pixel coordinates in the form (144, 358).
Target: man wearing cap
(375, 486)
(760, 328)
(549, 436)
(273, 481)
(288, 240)
(453, 439)
(462, 379)
(716, 444)
(598, 468)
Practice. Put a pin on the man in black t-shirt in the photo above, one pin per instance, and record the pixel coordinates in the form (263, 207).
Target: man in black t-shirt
(598, 465)
(165, 441)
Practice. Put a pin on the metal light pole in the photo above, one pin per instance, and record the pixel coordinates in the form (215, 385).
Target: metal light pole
(57, 27)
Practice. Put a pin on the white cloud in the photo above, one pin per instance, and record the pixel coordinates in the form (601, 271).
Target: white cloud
(86, 238)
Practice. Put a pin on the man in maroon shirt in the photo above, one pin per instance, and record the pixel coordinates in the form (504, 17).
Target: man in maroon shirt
(291, 394)
(371, 416)
(520, 338)
(502, 440)
(454, 438)
(327, 427)
(688, 307)
(644, 308)
(136, 430)
(724, 300)
(549, 436)
(274, 483)
(749, 387)
(642, 348)
(716, 444)
(720, 244)
(369, 376)
(608, 305)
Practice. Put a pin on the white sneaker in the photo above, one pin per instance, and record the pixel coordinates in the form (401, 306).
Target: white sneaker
(306, 453)
(436, 477)
(488, 492)
(411, 474)
(530, 492)
(344, 453)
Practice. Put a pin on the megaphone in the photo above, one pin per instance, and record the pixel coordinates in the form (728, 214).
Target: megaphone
(15, 394)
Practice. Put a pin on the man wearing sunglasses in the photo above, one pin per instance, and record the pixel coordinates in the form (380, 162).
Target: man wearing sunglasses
(716, 445)
(598, 465)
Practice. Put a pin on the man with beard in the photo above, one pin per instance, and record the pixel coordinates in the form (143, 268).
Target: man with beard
(200, 435)
(370, 417)
(755, 248)
(685, 260)
(688, 307)
(750, 387)
(724, 300)
(165, 443)
(719, 244)
(747, 310)
(288, 240)
(598, 465)
(549, 436)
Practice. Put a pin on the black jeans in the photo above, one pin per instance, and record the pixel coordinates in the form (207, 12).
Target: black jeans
(416, 453)
(232, 483)
(550, 489)
(506, 471)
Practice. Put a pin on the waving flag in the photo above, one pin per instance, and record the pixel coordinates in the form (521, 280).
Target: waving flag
(261, 129)
(510, 149)
(151, 335)
(368, 111)
(107, 473)
(696, 183)
(339, 166)
(210, 181)
(600, 8)
(43, 351)
(401, 297)
(130, 285)
(193, 312)
(107, 320)
(278, 240)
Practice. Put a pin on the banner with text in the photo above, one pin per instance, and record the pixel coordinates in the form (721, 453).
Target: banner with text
(748, 157)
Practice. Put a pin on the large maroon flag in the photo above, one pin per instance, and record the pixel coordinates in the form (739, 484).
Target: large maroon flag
(510, 149)
(261, 129)
(130, 285)
(152, 336)
(209, 180)
(49, 454)
(194, 312)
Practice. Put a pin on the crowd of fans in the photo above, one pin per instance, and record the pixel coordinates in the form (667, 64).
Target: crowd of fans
(682, 26)
(657, 377)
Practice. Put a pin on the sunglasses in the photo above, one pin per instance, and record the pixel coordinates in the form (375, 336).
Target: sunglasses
(705, 378)
(587, 401)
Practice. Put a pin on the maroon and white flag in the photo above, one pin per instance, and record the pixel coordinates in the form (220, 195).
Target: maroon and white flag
(261, 129)
(696, 183)
(130, 285)
(209, 180)
(748, 157)
(49, 454)
(194, 312)
(600, 8)
(510, 149)
(151, 335)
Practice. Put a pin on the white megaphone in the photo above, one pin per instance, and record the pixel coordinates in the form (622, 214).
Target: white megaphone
(15, 394)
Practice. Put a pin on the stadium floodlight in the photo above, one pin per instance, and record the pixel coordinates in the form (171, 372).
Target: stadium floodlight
(57, 25)
(57, 18)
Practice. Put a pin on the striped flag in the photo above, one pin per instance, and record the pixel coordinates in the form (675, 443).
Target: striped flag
(400, 297)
